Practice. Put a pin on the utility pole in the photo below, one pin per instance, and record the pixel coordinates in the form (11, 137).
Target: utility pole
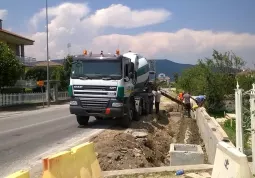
(47, 48)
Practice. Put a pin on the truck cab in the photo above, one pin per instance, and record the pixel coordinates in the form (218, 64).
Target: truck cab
(104, 86)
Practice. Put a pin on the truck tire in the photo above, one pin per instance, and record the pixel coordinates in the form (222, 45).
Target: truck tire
(151, 106)
(125, 122)
(99, 118)
(137, 114)
(146, 109)
(82, 120)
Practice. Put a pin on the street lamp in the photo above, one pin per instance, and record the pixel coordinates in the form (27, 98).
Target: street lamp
(47, 48)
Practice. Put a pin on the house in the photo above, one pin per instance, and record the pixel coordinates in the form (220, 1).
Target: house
(16, 43)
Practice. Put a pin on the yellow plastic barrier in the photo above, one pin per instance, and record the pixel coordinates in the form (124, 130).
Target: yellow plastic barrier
(79, 162)
(19, 174)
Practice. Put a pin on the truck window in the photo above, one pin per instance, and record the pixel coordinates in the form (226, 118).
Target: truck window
(98, 69)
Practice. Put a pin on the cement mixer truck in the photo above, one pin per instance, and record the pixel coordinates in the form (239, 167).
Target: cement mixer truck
(110, 86)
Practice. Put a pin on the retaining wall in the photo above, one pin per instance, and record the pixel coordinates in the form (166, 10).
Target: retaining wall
(211, 132)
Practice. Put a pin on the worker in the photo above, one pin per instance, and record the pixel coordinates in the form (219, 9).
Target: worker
(157, 95)
(180, 96)
(186, 98)
(200, 100)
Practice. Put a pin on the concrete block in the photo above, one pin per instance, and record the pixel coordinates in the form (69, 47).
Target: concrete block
(185, 154)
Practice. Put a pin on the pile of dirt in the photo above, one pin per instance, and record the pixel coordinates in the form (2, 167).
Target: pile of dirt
(146, 143)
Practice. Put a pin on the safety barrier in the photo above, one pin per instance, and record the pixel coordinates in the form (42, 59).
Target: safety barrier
(79, 161)
(229, 162)
(19, 174)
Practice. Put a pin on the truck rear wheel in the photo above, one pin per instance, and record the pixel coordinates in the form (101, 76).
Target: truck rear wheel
(99, 118)
(82, 120)
(137, 114)
(127, 119)
(128, 116)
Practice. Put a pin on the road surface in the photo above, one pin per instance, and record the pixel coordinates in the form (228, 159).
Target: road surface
(28, 136)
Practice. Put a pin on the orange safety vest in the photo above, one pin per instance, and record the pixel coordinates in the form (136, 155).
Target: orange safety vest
(181, 96)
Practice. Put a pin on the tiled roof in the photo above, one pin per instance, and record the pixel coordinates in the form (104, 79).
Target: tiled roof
(16, 35)
(44, 63)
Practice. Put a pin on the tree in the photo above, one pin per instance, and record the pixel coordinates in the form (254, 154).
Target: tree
(66, 73)
(215, 77)
(36, 73)
(176, 76)
(11, 67)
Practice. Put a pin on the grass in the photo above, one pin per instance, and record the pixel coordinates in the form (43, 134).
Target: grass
(217, 114)
(231, 132)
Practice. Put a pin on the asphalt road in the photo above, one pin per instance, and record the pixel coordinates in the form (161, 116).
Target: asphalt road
(28, 136)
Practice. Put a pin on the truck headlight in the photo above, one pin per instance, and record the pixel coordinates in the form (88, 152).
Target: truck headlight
(117, 105)
(73, 103)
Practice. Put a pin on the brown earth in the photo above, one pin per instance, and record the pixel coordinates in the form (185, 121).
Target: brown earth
(146, 143)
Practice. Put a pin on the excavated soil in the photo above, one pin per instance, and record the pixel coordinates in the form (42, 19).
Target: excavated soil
(146, 143)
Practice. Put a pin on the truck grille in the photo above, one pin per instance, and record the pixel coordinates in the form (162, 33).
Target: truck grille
(94, 103)
(89, 93)
(95, 88)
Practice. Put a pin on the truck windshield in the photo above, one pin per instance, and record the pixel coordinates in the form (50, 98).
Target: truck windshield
(97, 69)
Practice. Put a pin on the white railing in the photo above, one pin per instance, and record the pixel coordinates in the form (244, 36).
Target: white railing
(26, 98)
(63, 95)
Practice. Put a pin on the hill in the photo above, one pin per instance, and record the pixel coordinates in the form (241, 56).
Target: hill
(162, 65)
(169, 67)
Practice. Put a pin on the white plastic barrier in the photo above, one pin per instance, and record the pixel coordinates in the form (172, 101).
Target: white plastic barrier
(230, 163)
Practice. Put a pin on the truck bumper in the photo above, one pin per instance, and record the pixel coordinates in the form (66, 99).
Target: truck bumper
(108, 112)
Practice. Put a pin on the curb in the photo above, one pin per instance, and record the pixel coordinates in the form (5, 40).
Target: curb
(198, 167)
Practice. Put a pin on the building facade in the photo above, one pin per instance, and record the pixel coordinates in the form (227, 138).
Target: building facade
(16, 43)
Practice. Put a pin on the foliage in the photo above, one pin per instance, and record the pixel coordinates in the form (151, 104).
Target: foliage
(11, 68)
(246, 80)
(176, 76)
(214, 77)
(56, 73)
(36, 73)
(231, 132)
(66, 73)
(61, 73)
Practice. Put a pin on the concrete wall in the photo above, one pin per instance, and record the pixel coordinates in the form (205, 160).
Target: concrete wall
(211, 132)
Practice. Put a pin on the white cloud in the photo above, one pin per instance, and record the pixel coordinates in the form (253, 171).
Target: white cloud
(3, 13)
(72, 22)
(185, 45)
(121, 16)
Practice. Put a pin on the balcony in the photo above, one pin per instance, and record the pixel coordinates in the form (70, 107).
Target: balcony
(27, 61)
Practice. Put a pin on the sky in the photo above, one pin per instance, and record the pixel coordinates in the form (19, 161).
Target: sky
(179, 30)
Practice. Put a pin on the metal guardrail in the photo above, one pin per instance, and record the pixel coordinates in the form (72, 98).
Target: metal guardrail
(27, 98)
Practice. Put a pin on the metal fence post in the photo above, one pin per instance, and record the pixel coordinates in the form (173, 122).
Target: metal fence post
(239, 118)
(252, 110)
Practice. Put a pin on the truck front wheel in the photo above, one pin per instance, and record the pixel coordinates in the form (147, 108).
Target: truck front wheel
(128, 116)
(82, 120)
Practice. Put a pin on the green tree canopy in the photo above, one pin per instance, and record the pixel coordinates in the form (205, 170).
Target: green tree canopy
(11, 67)
(214, 77)
(37, 73)
(65, 75)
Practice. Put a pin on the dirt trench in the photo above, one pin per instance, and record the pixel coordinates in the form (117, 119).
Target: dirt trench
(146, 143)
